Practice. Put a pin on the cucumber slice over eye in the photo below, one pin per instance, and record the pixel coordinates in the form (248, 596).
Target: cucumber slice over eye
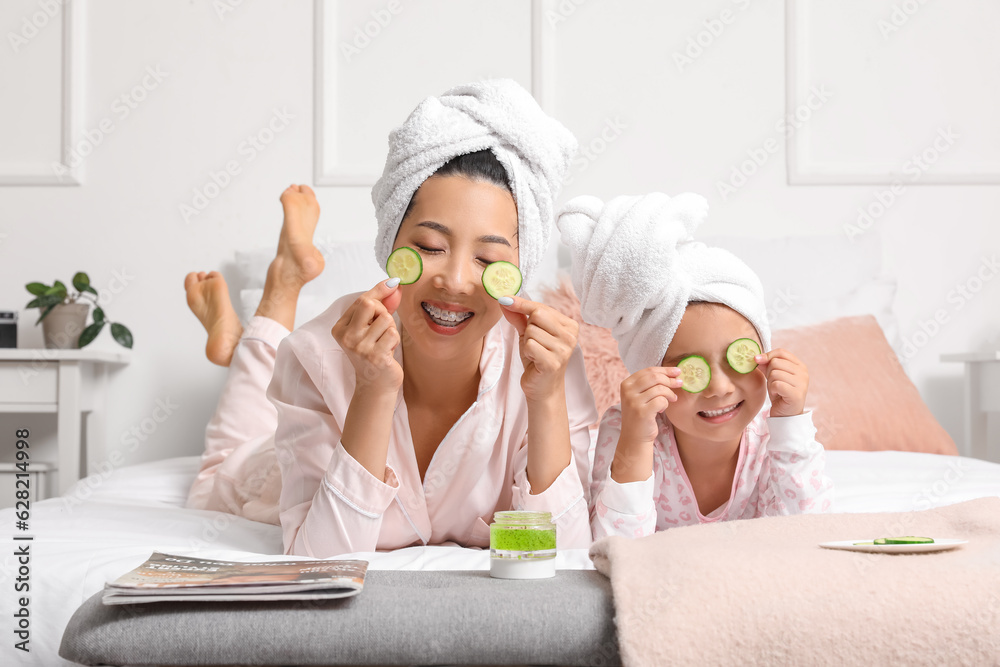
(909, 539)
(740, 354)
(404, 263)
(502, 279)
(695, 373)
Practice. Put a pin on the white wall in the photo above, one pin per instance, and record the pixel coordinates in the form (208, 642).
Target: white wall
(609, 65)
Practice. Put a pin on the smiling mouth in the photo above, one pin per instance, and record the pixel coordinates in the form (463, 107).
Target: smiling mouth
(718, 413)
(445, 318)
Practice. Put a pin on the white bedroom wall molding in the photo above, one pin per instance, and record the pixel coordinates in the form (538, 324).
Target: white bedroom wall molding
(805, 167)
(543, 60)
(61, 171)
(327, 170)
(330, 168)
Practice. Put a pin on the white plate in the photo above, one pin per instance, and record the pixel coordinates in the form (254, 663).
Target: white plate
(852, 545)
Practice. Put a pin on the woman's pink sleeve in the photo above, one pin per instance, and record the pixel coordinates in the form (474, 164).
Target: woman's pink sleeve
(567, 497)
(329, 504)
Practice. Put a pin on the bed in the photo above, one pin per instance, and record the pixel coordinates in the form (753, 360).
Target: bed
(106, 525)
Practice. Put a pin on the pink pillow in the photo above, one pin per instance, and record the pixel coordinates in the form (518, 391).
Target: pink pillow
(605, 368)
(861, 396)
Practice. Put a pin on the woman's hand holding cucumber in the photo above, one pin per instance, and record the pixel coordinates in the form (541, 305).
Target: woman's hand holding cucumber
(368, 335)
(547, 341)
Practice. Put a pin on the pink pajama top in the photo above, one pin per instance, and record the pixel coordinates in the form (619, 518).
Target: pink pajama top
(330, 504)
(779, 471)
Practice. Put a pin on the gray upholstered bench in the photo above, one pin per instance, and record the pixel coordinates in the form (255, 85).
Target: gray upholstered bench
(400, 618)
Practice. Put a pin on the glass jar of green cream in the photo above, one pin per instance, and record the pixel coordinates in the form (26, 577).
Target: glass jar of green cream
(522, 545)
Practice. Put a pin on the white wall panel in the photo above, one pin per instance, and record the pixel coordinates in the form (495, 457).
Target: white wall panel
(40, 110)
(376, 60)
(913, 91)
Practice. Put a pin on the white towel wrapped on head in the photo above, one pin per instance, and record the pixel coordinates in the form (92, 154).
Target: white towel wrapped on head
(636, 266)
(499, 115)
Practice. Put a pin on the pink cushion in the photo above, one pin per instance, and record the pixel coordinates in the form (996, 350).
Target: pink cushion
(861, 396)
(605, 368)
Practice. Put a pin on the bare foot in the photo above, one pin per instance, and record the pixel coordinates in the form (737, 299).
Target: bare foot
(208, 298)
(298, 261)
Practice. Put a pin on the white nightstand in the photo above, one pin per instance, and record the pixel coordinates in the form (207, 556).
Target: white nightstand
(982, 396)
(69, 383)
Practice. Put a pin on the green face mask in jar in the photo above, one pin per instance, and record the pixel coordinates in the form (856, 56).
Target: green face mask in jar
(522, 545)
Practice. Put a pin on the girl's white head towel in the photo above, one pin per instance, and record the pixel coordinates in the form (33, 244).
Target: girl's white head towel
(636, 266)
(499, 115)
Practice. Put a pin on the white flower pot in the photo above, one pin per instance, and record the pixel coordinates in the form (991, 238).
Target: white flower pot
(63, 326)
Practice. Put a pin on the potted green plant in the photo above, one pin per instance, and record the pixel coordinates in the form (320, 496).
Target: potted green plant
(65, 314)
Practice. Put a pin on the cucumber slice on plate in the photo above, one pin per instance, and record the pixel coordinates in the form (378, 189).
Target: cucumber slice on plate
(695, 373)
(404, 263)
(740, 354)
(909, 539)
(502, 279)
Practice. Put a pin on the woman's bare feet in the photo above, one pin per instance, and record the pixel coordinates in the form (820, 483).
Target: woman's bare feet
(208, 298)
(298, 261)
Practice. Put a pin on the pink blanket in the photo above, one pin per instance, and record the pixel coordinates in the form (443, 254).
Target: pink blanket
(762, 592)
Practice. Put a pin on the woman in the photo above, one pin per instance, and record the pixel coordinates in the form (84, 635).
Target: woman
(408, 415)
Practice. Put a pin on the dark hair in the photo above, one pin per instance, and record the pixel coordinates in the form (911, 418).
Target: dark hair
(479, 166)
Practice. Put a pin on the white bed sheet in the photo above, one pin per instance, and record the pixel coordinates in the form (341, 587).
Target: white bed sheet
(106, 526)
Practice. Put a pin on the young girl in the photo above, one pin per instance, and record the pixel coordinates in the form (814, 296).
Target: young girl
(410, 414)
(740, 447)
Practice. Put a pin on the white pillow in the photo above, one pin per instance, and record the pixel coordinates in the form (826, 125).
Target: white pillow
(874, 298)
(307, 307)
(812, 279)
(350, 267)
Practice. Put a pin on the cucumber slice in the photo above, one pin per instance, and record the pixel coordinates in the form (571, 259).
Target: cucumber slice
(740, 354)
(404, 263)
(695, 373)
(502, 279)
(909, 539)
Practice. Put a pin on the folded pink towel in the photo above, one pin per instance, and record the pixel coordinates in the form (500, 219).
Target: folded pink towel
(763, 592)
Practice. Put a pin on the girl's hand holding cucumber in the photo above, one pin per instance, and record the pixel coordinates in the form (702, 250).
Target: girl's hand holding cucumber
(368, 335)
(644, 394)
(787, 382)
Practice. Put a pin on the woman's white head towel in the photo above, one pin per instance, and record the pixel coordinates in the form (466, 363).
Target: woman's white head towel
(499, 115)
(636, 266)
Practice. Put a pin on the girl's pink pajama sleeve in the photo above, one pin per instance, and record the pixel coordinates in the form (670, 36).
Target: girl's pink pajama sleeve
(792, 477)
(618, 509)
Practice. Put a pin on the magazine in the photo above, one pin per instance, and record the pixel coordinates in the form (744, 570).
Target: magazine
(166, 577)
